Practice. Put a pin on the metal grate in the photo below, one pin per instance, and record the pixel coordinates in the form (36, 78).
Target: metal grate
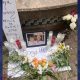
(42, 21)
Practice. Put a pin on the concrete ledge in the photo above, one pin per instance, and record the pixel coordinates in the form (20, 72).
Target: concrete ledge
(31, 5)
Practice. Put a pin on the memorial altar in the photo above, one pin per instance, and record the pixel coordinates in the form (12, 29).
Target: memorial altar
(35, 37)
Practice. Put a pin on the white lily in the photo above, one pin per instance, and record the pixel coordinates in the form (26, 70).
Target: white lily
(76, 16)
(64, 18)
(6, 44)
(73, 25)
(73, 19)
(60, 37)
(40, 69)
(67, 17)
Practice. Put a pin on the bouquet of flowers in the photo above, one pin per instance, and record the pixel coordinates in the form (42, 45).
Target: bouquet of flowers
(71, 20)
(61, 56)
(41, 69)
(36, 69)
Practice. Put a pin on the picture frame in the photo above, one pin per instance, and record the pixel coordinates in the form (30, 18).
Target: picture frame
(34, 39)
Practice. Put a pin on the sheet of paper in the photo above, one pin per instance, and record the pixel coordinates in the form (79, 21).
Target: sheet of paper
(11, 23)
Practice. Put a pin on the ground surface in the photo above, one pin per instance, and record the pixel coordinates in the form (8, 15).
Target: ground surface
(72, 41)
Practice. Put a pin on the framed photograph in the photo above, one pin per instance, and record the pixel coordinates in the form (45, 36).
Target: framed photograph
(35, 39)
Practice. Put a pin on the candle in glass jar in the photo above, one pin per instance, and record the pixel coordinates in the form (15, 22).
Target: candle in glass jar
(18, 43)
(52, 40)
(50, 33)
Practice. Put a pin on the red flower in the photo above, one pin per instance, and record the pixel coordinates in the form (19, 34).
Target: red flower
(73, 12)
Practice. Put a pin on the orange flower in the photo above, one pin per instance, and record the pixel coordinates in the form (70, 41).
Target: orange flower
(35, 62)
(40, 61)
(43, 62)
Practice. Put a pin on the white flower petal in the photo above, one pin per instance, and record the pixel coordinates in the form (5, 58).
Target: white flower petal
(73, 26)
(76, 16)
(60, 37)
(40, 69)
(6, 44)
(68, 17)
(12, 40)
(68, 47)
(73, 19)
(64, 18)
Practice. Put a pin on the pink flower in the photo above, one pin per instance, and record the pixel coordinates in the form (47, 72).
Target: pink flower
(53, 68)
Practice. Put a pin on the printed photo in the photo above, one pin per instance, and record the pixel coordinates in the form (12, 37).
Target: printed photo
(36, 38)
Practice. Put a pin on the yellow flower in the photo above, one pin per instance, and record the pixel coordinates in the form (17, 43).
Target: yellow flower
(25, 59)
(61, 46)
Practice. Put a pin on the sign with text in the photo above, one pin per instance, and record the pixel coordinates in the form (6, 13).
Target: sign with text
(11, 23)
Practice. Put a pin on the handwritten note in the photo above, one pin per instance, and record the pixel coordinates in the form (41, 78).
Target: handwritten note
(11, 23)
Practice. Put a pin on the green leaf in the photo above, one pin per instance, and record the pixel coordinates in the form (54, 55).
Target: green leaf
(14, 57)
(49, 73)
(25, 67)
